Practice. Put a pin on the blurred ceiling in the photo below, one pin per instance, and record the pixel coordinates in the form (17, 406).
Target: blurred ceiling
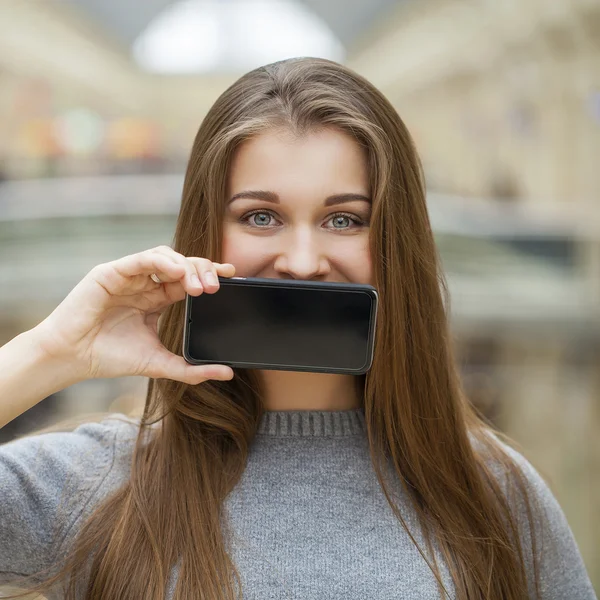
(125, 21)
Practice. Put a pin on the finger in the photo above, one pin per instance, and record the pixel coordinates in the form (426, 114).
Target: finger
(192, 283)
(167, 271)
(116, 274)
(172, 366)
(221, 269)
(224, 269)
(207, 272)
(201, 273)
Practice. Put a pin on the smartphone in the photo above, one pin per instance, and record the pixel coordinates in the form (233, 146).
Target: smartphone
(281, 324)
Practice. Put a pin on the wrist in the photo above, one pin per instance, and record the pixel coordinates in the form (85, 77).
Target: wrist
(60, 371)
(28, 375)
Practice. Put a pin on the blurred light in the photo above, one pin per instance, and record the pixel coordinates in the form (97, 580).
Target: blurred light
(36, 138)
(195, 36)
(130, 138)
(79, 131)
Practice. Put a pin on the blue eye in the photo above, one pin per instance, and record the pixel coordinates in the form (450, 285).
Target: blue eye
(341, 221)
(261, 219)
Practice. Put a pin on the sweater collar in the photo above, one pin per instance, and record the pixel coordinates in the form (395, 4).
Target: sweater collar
(312, 423)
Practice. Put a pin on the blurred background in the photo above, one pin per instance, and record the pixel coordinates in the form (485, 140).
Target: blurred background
(100, 101)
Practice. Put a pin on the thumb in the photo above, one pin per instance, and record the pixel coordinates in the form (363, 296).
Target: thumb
(166, 365)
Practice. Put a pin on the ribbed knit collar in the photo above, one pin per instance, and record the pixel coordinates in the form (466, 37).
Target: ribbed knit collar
(313, 423)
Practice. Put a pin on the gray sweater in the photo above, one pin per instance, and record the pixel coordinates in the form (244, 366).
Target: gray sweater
(309, 520)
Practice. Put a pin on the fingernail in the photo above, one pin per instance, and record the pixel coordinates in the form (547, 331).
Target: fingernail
(210, 278)
(194, 279)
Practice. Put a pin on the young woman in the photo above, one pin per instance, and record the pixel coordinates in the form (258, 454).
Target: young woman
(274, 484)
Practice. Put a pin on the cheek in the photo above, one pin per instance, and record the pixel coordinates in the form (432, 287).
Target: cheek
(242, 251)
(353, 260)
(233, 247)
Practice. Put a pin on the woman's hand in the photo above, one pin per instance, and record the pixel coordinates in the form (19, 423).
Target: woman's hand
(107, 325)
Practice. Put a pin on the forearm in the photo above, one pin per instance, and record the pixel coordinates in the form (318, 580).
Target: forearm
(27, 376)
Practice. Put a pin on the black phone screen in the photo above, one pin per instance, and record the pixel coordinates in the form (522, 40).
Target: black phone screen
(292, 326)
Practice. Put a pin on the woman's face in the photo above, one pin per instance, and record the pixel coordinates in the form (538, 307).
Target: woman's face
(299, 208)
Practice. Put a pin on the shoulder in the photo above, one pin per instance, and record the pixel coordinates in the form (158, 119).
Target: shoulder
(529, 496)
(546, 538)
(509, 466)
(519, 480)
(49, 480)
(82, 455)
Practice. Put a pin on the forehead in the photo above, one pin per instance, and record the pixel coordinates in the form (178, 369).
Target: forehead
(321, 161)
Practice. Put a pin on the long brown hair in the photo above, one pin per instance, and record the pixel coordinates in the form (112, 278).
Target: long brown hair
(194, 440)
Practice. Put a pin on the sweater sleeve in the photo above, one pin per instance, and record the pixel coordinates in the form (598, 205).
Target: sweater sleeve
(562, 573)
(48, 481)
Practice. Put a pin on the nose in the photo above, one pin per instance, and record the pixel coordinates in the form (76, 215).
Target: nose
(301, 256)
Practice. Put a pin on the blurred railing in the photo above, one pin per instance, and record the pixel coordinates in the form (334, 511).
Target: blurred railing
(504, 265)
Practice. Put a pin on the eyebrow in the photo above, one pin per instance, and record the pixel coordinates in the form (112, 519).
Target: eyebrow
(267, 196)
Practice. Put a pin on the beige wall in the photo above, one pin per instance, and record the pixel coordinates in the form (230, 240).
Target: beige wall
(496, 87)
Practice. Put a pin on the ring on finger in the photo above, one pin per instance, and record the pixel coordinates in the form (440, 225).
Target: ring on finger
(155, 278)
